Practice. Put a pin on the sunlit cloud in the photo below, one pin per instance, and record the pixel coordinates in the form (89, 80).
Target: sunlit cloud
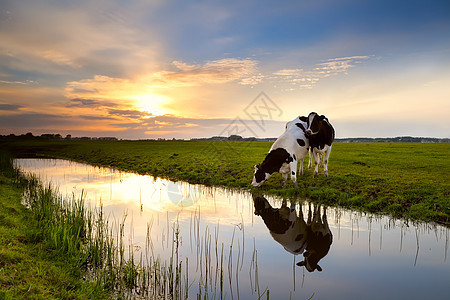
(338, 65)
(243, 71)
(154, 93)
(301, 78)
(109, 92)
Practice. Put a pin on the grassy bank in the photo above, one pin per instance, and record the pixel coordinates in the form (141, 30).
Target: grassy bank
(401, 179)
(31, 267)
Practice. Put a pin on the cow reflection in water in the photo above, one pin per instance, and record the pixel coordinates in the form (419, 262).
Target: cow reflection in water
(312, 238)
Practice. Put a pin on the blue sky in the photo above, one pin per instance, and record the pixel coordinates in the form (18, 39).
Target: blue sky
(149, 69)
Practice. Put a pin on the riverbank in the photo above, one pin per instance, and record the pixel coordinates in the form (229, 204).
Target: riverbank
(30, 268)
(401, 179)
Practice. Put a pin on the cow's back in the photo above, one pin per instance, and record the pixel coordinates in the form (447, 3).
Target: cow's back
(294, 139)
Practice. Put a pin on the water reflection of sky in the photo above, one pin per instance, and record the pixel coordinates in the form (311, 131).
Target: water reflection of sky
(371, 257)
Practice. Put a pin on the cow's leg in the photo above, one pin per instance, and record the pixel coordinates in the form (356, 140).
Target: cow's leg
(310, 152)
(285, 176)
(293, 166)
(316, 162)
(320, 161)
(325, 161)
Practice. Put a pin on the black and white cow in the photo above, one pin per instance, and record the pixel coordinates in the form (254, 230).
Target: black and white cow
(286, 151)
(321, 135)
(319, 240)
(284, 225)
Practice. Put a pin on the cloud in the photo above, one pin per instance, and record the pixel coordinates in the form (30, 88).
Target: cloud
(27, 82)
(166, 91)
(26, 121)
(10, 107)
(338, 65)
(44, 38)
(91, 118)
(90, 103)
(129, 113)
(101, 91)
(307, 79)
(244, 71)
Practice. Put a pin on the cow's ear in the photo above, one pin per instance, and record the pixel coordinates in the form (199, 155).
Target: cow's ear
(319, 268)
(321, 117)
(301, 264)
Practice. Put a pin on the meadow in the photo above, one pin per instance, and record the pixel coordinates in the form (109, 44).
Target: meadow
(400, 179)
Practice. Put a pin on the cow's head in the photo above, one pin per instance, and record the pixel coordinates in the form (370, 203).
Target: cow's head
(314, 123)
(311, 261)
(260, 175)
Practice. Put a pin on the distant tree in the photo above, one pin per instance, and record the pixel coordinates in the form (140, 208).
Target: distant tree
(235, 137)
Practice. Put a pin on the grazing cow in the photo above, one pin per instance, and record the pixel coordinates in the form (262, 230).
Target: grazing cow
(286, 151)
(284, 225)
(318, 242)
(321, 135)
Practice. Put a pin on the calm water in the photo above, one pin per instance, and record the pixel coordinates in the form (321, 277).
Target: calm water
(370, 257)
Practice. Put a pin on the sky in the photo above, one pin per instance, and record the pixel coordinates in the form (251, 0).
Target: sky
(189, 69)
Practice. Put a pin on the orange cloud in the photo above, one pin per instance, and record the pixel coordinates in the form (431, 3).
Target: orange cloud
(244, 71)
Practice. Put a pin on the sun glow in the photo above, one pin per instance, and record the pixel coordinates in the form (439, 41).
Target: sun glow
(153, 104)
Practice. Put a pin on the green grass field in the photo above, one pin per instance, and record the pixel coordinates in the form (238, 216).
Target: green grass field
(400, 179)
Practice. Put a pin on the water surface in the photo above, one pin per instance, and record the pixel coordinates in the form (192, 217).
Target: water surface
(250, 242)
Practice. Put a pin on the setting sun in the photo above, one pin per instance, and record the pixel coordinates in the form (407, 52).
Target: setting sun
(153, 103)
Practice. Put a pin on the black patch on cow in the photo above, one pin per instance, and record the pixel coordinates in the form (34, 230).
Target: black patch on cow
(271, 216)
(303, 119)
(301, 142)
(295, 158)
(274, 160)
(299, 125)
(293, 172)
(299, 237)
(260, 175)
(324, 132)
